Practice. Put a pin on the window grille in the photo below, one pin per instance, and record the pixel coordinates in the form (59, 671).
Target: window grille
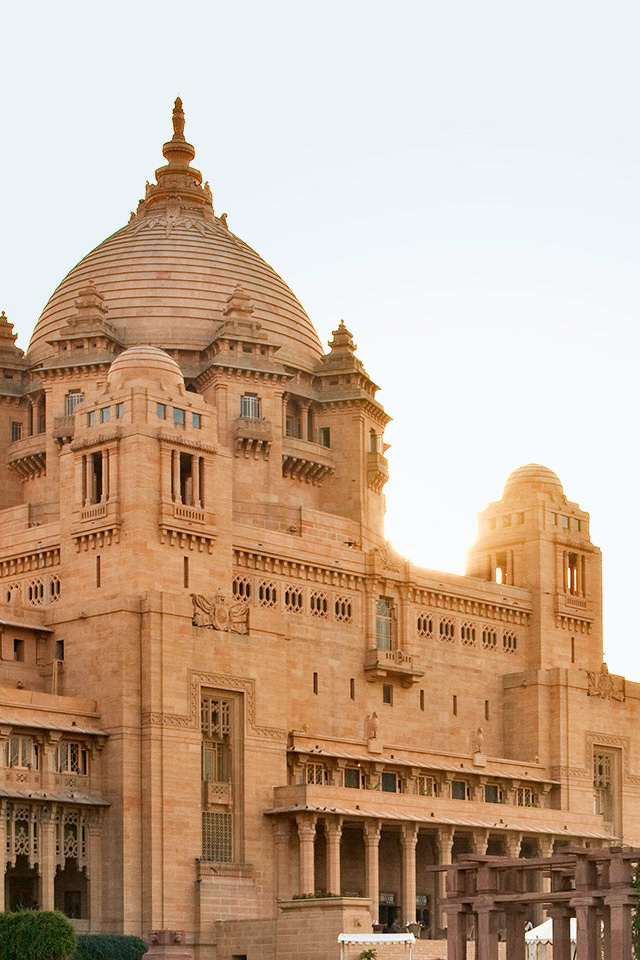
(217, 837)
(509, 642)
(427, 787)
(71, 757)
(250, 406)
(267, 594)
(447, 630)
(468, 634)
(489, 639)
(318, 604)
(21, 752)
(353, 778)
(54, 588)
(72, 399)
(343, 609)
(35, 592)
(241, 588)
(460, 790)
(425, 625)
(293, 600)
(215, 761)
(526, 797)
(492, 793)
(16, 431)
(316, 773)
(215, 717)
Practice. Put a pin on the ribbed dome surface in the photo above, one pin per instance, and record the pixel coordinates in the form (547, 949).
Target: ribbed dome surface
(145, 362)
(534, 477)
(165, 279)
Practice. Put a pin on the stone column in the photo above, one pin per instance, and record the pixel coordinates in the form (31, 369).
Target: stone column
(3, 847)
(587, 926)
(105, 476)
(283, 884)
(175, 474)
(456, 933)
(333, 834)
(195, 474)
(47, 859)
(515, 946)
(94, 871)
(304, 424)
(445, 846)
(409, 839)
(371, 833)
(306, 824)
(487, 932)
(480, 842)
(561, 932)
(512, 843)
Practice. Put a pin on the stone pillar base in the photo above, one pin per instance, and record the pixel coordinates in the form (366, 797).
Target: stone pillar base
(168, 945)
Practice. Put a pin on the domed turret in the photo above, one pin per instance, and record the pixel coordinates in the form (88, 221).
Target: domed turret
(145, 363)
(532, 478)
(167, 276)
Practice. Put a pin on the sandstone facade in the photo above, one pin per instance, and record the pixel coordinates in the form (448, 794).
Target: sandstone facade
(222, 691)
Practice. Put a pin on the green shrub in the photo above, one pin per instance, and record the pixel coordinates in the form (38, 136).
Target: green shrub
(36, 935)
(109, 946)
(8, 936)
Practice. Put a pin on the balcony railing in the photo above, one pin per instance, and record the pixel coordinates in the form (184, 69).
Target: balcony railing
(387, 663)
(252, 436)
(377, 470)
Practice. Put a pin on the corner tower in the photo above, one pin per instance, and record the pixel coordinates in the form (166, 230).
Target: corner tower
(535, 538)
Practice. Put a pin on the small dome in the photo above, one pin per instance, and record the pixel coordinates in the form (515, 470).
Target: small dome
(145, 363)
(533, 477)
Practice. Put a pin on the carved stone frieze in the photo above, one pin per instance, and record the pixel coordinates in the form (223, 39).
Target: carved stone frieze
(218, 613)
(606, 685)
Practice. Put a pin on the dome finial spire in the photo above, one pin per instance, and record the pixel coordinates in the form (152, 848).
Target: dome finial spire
(178, 120)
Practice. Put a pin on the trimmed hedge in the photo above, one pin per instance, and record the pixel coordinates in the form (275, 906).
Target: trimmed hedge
(36, 935)
(108, 946)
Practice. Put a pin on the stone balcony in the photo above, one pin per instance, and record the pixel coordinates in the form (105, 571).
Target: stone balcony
(217, 793)
(63, 428)
(377, 470)
(392, 664)
(306, 461)
(253, 437)
(28, 456)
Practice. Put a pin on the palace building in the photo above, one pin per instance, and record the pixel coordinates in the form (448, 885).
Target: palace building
(230, 713)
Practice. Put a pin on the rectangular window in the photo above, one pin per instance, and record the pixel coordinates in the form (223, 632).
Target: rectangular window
(215, 724)
(387, 693)
(316, 773)
(185, 571)
(459, 790)
(315, 682)
(98, 572)
(324, 436)
(71, 757)
(389, 783)
(16, 431)
(119, 411)
(196, 421)
(352, 777)
(21, 752)
(427, 787)
(96, 477)
(422, 699)
(18, 649)
(384, 615)
(565, 523)
(178, 417)
(250, 406)
(59, 649)
(454, 705)
(486, 709)
(526, 797)
(492, 793)
(105, 415)
(161, 410)
(352, 688)
(72, 399)
(91, 418)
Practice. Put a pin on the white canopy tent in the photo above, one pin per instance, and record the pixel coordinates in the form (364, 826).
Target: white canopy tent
(539, 940)
(364, 940)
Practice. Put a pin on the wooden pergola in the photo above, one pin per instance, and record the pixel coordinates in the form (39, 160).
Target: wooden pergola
(594, 885)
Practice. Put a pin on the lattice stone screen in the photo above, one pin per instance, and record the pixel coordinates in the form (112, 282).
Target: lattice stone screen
(217, 837)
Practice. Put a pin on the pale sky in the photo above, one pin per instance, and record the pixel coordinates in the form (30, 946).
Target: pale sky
(457, 180)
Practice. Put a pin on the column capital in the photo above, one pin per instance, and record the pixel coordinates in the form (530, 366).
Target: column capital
(333, 827)
(371, 831)
(409, 835)
(306, 823)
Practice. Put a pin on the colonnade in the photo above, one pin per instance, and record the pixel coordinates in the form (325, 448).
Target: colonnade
(306, 827)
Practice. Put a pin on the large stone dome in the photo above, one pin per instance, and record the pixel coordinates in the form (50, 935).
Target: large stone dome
(533, 477)
(167, 276)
